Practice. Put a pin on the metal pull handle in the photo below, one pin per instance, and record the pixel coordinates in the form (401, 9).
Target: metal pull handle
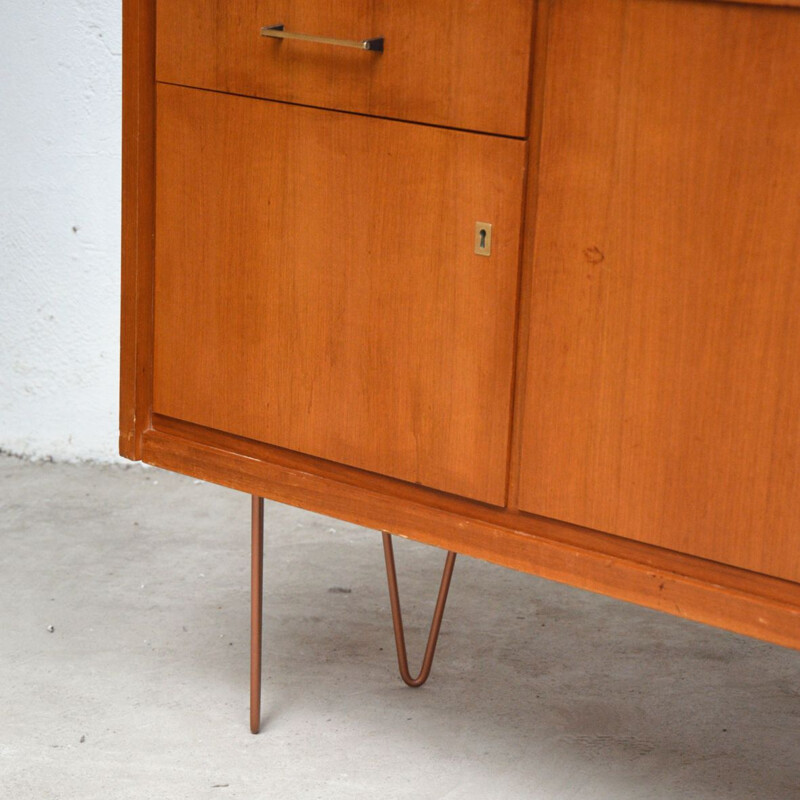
(277, 32)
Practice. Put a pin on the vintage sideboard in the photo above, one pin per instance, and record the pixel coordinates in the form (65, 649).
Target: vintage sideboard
(517, 279)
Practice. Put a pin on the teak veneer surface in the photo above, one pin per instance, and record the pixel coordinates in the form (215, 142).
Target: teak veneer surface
(664, 347)
(317, 286)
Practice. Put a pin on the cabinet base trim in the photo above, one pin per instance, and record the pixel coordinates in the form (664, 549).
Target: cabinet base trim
(730, 598)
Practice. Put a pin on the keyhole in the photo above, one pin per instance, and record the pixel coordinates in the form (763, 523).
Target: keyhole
(483, 238)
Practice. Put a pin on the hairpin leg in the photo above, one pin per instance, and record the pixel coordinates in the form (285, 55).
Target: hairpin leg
(256, 595)
(397, 617)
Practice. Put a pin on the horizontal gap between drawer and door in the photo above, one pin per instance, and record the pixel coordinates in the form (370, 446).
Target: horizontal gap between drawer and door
(341, 111)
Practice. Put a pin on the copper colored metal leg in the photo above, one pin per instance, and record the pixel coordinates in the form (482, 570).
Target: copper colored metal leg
(256, 594)
(397, 616)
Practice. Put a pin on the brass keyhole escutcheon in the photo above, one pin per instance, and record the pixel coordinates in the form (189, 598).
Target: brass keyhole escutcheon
(483, 238)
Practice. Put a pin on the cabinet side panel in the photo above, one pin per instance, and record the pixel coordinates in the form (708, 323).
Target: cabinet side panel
(138, 121)
(664, 364)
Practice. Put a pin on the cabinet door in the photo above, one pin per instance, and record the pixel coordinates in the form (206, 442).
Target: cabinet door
(663, 377)
(317, 286)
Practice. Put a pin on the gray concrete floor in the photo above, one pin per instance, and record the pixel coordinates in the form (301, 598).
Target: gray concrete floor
(538, 691)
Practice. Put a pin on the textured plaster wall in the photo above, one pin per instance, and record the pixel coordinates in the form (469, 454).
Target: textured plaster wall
(60, 82)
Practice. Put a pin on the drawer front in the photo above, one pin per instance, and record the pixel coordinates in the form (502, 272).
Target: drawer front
(462, 64)
(317, 285)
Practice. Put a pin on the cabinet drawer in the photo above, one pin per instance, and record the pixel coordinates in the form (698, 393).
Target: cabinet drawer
(461, 64)
(317, 285)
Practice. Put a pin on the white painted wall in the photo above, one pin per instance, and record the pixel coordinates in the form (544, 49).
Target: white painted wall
(60, 103)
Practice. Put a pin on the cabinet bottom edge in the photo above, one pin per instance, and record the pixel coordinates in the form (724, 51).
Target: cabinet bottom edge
(725, 597)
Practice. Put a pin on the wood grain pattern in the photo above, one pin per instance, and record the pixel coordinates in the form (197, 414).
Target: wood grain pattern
(463, 64)
(663, 388)
(686, 587)
(317, 286)
(138, 196)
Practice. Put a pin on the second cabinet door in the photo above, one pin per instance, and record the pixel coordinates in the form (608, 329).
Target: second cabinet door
(317, 286)
(663, 388)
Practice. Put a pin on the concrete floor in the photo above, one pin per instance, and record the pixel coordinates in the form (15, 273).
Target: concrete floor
(538, 690)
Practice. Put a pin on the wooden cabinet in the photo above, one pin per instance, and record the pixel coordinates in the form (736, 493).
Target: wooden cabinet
(609, 397)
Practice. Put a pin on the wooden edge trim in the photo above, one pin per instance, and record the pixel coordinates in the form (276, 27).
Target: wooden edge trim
(770, 3)
(138, 155)
(752, 614)
(526, 256)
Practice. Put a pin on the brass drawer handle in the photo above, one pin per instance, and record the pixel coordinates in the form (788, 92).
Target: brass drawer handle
(277, 32)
